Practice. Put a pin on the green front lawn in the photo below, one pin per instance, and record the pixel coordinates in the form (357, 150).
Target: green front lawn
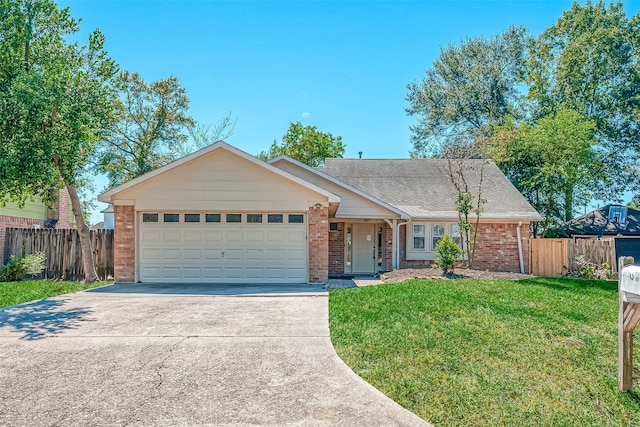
(539, 352)
(12, 293)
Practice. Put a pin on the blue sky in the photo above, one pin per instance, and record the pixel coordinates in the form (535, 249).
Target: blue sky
(342, 66)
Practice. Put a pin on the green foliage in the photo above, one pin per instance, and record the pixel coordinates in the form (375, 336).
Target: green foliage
(307, 145)
(12, 293)
(20, 266)
(635, 202)
(447, 253)
(588, 62)
(591, 271)
(152, 127)
(552, 162)
(537, 352)
(469, 87)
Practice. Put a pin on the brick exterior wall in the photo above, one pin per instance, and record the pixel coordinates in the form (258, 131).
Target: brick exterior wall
(13, 222)
(496, 250)
(318, 244)
(388, 248)
(61, 210)
(124, 244)
(497, 247)
(336, 251)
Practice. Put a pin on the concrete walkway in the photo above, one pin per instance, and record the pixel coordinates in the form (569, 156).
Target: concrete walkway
(182, 355)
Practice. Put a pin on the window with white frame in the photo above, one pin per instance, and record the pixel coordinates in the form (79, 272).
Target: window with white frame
(437, 232)
(419, 237)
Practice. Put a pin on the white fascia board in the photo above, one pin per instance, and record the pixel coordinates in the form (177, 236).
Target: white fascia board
(107, 195)
(403, 215)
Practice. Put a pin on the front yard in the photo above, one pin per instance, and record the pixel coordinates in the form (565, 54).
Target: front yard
(536, 352)
(12, 293)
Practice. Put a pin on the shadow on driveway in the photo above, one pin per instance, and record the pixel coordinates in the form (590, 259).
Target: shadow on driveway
(212, 289)
(42, 318)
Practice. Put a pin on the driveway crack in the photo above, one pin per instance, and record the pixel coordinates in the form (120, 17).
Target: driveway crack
(158, 372)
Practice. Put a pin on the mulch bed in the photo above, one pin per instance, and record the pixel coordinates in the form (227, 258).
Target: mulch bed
(459, 273)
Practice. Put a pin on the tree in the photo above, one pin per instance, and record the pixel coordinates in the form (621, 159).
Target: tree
(635, 202)
(153, 126)
(467, 175)
(55, 100)
(306, 144)
(469, 87)
(552, 162)
(588, 62)
(204, 135)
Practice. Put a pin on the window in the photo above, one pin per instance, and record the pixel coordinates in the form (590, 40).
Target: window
(234, 218)
(437, 233)
(455, 234)
(333, 226)
(191, 217)
(149, 217)
(275, 218)
(254, 218)
(171, 217)
(296, 219)
(212, 217)
(419, 236)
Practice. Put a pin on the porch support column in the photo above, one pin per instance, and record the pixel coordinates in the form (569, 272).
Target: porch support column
(394, 242)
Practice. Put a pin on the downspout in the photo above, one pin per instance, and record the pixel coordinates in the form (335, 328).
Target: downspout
(520, 248)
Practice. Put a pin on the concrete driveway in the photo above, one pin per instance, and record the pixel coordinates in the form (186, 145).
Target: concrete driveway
(182, 355)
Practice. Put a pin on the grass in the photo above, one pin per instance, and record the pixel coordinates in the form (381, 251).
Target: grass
(539, 352)
(12, 293)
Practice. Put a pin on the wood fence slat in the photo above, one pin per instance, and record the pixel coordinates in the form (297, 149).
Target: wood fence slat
(62, 250)
(557, 257)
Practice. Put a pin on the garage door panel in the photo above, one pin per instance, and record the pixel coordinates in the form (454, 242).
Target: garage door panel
(192, 236)
(254, 254)
(170, 236)
(223, 253)
(296, 255)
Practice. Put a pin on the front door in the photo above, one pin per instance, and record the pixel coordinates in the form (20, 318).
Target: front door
(364, 249)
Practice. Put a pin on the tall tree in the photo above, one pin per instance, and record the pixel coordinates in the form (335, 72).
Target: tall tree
(55, 100)
(153, 126)
(588, 62)
(469, 87)
(552, 162)
(306, 144)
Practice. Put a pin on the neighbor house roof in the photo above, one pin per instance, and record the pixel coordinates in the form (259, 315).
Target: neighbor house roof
(596, 223)
(423, 188)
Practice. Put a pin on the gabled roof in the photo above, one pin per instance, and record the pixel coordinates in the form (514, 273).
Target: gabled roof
(595, 223)
(344, 185)
(220, 145)
(423, 189)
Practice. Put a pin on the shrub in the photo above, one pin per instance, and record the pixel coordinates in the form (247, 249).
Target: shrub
(589, 270)
(447, 253)
(20, 266)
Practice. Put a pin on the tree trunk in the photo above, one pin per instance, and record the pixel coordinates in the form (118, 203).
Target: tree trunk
(568, 204)
(90, 275)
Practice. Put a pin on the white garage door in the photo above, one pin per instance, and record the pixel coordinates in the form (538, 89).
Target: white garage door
(222, 248)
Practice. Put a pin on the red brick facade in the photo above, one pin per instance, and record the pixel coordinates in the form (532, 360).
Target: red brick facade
(336, 251)
(497, 247)
(124, 244)
(318, 244)
(496, 250)
(61, 213)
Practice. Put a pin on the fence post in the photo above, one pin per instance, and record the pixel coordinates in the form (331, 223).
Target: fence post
(628, 317)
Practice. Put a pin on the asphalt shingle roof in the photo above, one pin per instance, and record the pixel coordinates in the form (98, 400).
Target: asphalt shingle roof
(423, 188)
(595, 223)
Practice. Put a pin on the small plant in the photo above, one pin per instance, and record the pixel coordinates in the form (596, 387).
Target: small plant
(589, 270)
(20, 266)
(447, 253)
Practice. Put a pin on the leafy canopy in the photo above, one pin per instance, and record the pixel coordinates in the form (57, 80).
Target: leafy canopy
(307, 145)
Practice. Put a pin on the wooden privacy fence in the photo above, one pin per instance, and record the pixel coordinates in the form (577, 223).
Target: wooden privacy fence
(63, 251)
(556, 257)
